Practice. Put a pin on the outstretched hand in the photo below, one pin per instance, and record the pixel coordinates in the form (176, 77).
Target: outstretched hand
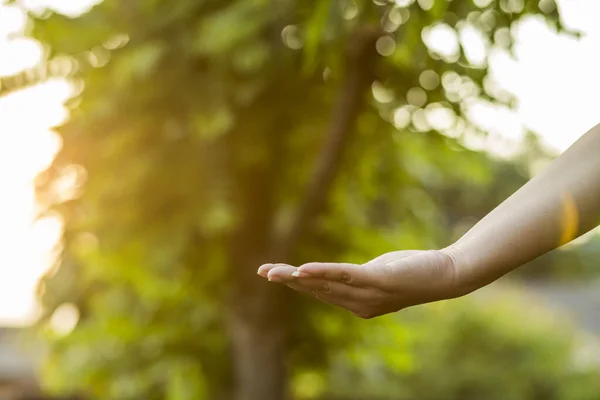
(383, 285)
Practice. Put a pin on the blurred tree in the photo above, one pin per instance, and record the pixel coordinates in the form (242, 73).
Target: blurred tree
(476, 348)
(207, 137)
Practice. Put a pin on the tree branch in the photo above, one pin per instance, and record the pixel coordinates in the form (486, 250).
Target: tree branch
(361, 60)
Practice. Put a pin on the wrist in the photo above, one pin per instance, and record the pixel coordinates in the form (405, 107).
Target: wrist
(462, 279)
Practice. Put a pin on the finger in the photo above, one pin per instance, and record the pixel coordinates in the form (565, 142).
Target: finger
(333, 291)
(264, 269)
(330, 288)
(285, 275)
(350, 274)
(302, 288)
(281, 273)
(325, 297)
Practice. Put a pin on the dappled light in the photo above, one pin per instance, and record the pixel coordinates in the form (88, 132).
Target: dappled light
(64, 319)
(19, 53)
(290, 37)
(386, 45)
(429, 80)
(155, 154)
(443, 40)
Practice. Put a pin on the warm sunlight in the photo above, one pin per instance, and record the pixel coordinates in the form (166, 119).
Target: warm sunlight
(27, 143)
(26, 147)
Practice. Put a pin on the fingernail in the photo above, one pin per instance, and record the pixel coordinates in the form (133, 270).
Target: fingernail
(300, 274)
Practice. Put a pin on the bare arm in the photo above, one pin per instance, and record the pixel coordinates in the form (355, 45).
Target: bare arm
(552, 209)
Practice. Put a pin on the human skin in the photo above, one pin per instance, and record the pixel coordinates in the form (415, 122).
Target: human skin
(552, 209)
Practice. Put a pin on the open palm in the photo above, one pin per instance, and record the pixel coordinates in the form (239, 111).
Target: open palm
(383, 285)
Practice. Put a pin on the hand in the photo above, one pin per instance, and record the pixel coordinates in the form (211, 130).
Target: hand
(383, 285)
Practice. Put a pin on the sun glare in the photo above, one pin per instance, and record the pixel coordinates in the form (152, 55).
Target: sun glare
(27, 145)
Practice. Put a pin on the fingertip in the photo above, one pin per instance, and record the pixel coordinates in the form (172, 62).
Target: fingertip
(309, 269)
(264, 269)
(280, 272)
(317, 265)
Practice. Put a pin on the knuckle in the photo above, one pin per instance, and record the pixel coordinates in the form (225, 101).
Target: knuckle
(346, 277)
(326, 288)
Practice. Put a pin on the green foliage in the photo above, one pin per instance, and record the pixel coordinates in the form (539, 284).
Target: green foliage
(486, 347)
(574, 262)
(190, 147)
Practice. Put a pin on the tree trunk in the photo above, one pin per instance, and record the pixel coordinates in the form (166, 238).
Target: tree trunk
(361, 58)
(258, 340)
(256, 326)
(255, 329)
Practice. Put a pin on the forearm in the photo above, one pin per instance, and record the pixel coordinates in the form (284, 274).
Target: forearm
(552, 209)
